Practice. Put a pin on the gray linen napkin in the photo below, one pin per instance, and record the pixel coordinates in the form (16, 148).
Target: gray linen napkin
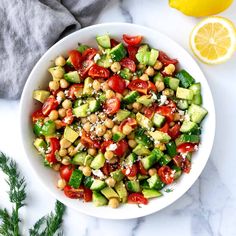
(29, 27)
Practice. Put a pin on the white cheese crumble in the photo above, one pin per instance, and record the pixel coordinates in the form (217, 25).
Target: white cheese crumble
(110, 60)
(112, 147)
(181, 112)
(187, 117)
(196, 147)
(127, 83)
(96, 57)
(163, 99)
(99, 174)
(154, 96)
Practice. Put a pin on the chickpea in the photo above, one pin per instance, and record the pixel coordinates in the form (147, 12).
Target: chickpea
(58, 124)
(87, 126)
(158, 65)
(177, 116)
(62, 152)
(113, 202)
(131, 136)
(109, 123)
(92, 151)
(110, 182)
(126, 91)
(137, 105)
(67, 104)
(87, 171)
(108, 135)
(109, 94)
(132, 143)
(115, 67)
(62, 112)
(61, 184)
(168, 92)
(61, 95)
(60, 61)
(141, 66)
(102, 116)
(56, 166)
(105, 86)
(58, 73)
(119, 96)
(113, 160)
(160, 86)
(170, 69)
(53, 115)
(54, 85)
(96, 85)
(108, 155)
(149, 71)
(115, 129)
(66, 161)
(130, 106)
(64, 83)
(100, 130)
(144, 77)
(81, 168)
(72, 151)
(83, 120)
(65, 143)
(152, 171)
(127, 129)
(93, 118)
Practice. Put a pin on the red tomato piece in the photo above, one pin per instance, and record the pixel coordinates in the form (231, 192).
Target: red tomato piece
(142, 170)
(54, 145)
(149, 111)
(50, 104)
(137, 198)
(167, 112)
(75, 90)
(97, 71)
(112, 105)
(186, 147)
(88, 142)
(132, 40)
(116, 83)
(84, 68)
(106, 144)
(37, 115)
(129, 121)
(166, 174)
(114, 43)
(139, 86)
(183, 163)
(174, 131)
(74, 193)
(87, 194)
(122, 147)
(151, 87)
(132, 51)
(66, 172)
(131, 171)
(171, 104)
(89, 53)
(164, 128)
(76, 58)
(68, 119)
(165, 60)
(128, 63)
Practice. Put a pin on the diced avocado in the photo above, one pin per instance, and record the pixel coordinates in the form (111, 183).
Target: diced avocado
(49, 128)
(118, 136)
(122, 114)
(76, 178)
(121, 190)
(155, 182)
(165, 160)
(197, 113)
(81, 111)
(117, 175)
(158, 120)
(79, 158)
(159, 136)
(153, 57)
(54, 72)
(131, 159)
(171, 82)
(146, 100)
(98, 185)
(94, 105)
(98, 161)
(133, 186)
(104, 41)
(118, 52)
(187, 138)
(140, 150)
(130, 97)
(185, 78)
(70, 134)
(82, 47)
(151, 193)
(142, 138)
(125, 73)
(108, 192)
(99, 199)
(171, 148)
(88, 86)
(40, 145)
(144, 121)
(184, 93)
(72, 77)
(41, 95)
(188, 126)
(182, 104)
(88, 160)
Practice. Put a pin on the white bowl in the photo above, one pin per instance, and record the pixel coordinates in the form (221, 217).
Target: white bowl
(40, 77)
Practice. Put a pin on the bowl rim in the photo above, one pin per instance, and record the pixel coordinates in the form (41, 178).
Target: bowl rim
(62, 199)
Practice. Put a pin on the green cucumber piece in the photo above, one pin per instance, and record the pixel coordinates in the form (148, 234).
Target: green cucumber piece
(98, 161)
(171, 82)
(155, 182)
(99, 199)
(118, 52)
(151, 193)
(197, 113)
(133, 186)
(117, 175)
(182, 104)
(121, 115)
(146, 100)
(164, 160)
(177, 172)
(109, 193)
(196, 88)
(94, 105)
(76, 178)
(104, 41)
(98, 185)
(122, 191)
(131, 159)
(159, 136)
(118, 136)
(184, 93)
(88, 181)
(153, 57)
(72, 77)
(158, 120)
(141, 150)
(142, 138)
(81, 111)
(186, 80)
(187, 138)
(188, 126)
(125, 73)
(37, 127)
(158, 77)
(49, 128)
(171, 149)
(197, 99)
(131, 97)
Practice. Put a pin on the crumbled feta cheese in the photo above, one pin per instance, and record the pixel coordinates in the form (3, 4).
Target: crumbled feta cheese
(66, 92)
(126, 82)
(195, 147)
(154, 96)
(110, 60)
(184, 155)
(181, 112)
(167, 102)
(112, 147)
(99, 174)
(59, 99)
(96, 57)
(187, 117)
(163, 99)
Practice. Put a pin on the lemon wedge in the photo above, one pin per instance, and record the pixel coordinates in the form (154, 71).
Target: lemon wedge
(213, 40)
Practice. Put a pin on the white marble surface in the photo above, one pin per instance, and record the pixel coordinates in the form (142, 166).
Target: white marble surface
(209, 207)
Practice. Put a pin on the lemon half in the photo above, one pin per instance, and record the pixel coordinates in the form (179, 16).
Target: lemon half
(213, 40)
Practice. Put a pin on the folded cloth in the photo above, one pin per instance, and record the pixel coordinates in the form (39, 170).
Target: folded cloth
(29, 28)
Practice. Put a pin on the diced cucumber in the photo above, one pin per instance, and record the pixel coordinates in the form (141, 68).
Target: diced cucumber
(121, 190)
(98, 161)
(94, 105)
(88, 181)
(143, 57)
(157, 153)
(81, 48)
(102, 97)
(49, 128)
(142, 177)
(70, 134)
(133, 186)
(151, 193)
(197, 113)
(76, 178)
(99, 199)
(104, 41)
(171, 148)
(79, 158)
(158, 77)
(109, 192)
(118, 136)
(122, 114)
(187, 138)
(184, 93)
(143, 121)
(155, 182)
(41, 95)
(142, 138)
(196, 88)
(188, 126)
(165, 160)
(88, 86)
(177, 172)
(197, 99)
(77, 103)
(72, 77)
(143, 48)
(81, 111)
(140, 150)
(40, 145)
(153, 158)
(158, 120)
(131, 159)
(105, 61)
(146, 100)
(153, 57)
(37, 127)
(159, 136)
(171, 82)
(125, 73)
(182, 104)
(186, 80)
(117, 175)
(98, 185)
(118, 52)
(131, 97)
(88, 160)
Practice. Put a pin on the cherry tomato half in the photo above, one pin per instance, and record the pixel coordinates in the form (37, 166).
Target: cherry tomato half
(139, 86)
(128, 63)
(74, 193)
(165, 60)
(129, 121)
(76, 58)
(37, 115)
(97, 71)
(142, 170)
(68, 119)
(50, 104)
(122, 147)
(166, 174)
(132, 51)
(84, 68)
(87, 195)
(131, 171)
(132, 40)
(137, 198)
(167, 112)
(116, 83)
(183, 163)
(88, 142)
(112, 105)
(75, 91)
(164, 128)
(54, 145)
(66, 172)
(106, 144)
(174, 131)
(186, 147)
(89, 53)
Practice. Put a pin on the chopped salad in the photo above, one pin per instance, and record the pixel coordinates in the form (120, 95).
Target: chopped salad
(118, 122)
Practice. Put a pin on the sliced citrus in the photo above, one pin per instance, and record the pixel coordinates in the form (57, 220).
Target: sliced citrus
(213, 40)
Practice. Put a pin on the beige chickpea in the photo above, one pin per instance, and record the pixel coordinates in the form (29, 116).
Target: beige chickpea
(61, 95)
(141, 66)
(67, 104)
(158, 65)
(60, 61)
(92, 151)
(144, 77)
(108, 135)
(87, 126)
(72, 151)
(149, 71)
(113, 202)
(127, 129)
(66, 161)
(81, 168)
(131, 136)
(96, 85)
(64, 83)
(115, 129)
(62, 112)
(109, 123)
(54, 85)
(56, 166)
(102, 116)
(177, 116)
(87, 171)
(83, 120)
(126, 91)
(119, 96)
(53, 115)
(109, 94)
(46, 119)
(58, 124)
(110, 182)
(152, 171)
(100, 130)
(108, 155)
(58, 73)
(61, 184)
(105, 86)
(160, 86)
(115, 67)
(93, 118)
(62, 152)
(65, 143)
(168, 92)
(137, 105)
(170, 69)
(130, 106)
(132, 143)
